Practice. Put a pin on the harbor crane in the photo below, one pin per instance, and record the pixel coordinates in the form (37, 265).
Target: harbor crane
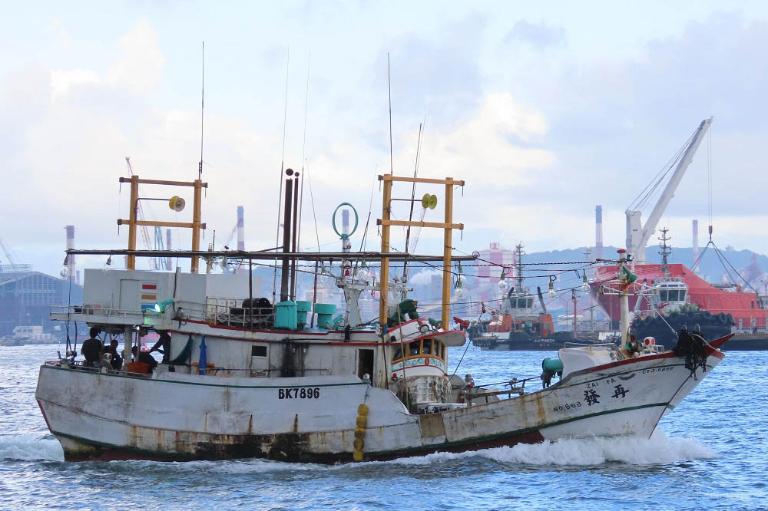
(638, 234)
(12, 266)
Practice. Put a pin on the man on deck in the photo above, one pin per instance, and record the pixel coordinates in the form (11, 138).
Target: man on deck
(92, 348)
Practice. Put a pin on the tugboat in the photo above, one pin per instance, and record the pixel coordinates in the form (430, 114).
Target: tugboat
(517, 325)
(244, 377)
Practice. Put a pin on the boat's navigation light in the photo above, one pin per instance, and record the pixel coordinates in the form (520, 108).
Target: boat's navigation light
(162, 305)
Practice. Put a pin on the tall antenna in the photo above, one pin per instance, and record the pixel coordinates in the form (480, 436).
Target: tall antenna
(282, 169)
(413, 197)
(389, 96)
(303, 149)
(202, 116)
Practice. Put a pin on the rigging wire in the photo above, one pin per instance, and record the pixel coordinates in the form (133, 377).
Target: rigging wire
(413, 197)
(646, 193)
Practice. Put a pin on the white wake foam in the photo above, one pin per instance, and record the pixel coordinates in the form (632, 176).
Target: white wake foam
(659, 449)
(30, 447)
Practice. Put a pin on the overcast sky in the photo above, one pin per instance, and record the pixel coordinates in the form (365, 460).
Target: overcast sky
(546, 109)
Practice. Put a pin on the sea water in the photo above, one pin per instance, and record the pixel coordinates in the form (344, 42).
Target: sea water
(710, 453)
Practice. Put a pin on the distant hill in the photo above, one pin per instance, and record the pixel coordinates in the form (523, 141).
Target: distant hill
(710, 268)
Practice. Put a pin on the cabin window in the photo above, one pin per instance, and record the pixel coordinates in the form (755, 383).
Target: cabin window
(682, 295)
(427, 347)
(258, 351)
(398, 353)
(414, 348)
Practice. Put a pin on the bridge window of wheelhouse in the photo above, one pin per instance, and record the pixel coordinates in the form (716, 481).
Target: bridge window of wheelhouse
(420, 348)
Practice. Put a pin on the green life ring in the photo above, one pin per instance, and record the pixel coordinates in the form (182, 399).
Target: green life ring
(333, 220)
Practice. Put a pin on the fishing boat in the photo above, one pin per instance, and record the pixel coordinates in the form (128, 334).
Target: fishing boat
(243, 376)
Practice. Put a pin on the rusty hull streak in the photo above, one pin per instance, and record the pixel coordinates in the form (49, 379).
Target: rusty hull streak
(286, 447)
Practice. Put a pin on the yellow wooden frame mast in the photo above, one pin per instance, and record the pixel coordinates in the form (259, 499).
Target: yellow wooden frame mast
(133, 222)
(386, 222)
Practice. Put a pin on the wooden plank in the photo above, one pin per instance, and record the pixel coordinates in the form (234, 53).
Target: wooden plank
(406, 223)
(424, 180)
(163, 182)
(159, 223)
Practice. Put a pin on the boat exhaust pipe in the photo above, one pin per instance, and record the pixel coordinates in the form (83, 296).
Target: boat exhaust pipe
(285, 272)
(294, 233)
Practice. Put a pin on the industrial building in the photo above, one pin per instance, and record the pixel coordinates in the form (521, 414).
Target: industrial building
(26, 297)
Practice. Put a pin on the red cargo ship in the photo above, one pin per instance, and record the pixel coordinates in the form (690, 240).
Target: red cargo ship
(746, 308)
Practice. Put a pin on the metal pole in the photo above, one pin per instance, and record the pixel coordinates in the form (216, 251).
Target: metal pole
(294, 234)
(447, 246)
(384, 279)
(573, 297)
(131, 260)
(127, 341)
(250, 293)
(196, 214)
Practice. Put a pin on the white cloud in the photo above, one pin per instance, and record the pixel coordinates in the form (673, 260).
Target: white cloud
(141, 63)
(63, 81)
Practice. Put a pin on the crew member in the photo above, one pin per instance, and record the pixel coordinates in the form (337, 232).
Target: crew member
(92, 348)
(144, 357)
(117, 360)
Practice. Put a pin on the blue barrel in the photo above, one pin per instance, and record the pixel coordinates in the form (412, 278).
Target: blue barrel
(302, 308)
(285, 315)
(325, 312)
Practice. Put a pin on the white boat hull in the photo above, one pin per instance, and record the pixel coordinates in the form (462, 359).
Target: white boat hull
(179, 417)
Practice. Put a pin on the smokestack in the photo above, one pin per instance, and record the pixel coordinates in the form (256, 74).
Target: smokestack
(598, 231)
(695, 240)
(71, 268)
(169, 259)
(240, 235)
(286, 264)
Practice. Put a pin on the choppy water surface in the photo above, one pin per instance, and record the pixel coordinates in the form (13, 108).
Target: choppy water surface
(709, 454)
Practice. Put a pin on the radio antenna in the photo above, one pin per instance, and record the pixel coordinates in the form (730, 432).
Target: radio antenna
(282, 176)
(202, 116)
(389, 96)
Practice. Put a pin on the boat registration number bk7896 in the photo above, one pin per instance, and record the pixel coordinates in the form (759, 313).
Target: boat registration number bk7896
(298, 393)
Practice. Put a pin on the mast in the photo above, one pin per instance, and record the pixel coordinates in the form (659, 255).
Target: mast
(626, 278)
(175, 203)
(519, 260)
(386, 222)
(665, 251)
